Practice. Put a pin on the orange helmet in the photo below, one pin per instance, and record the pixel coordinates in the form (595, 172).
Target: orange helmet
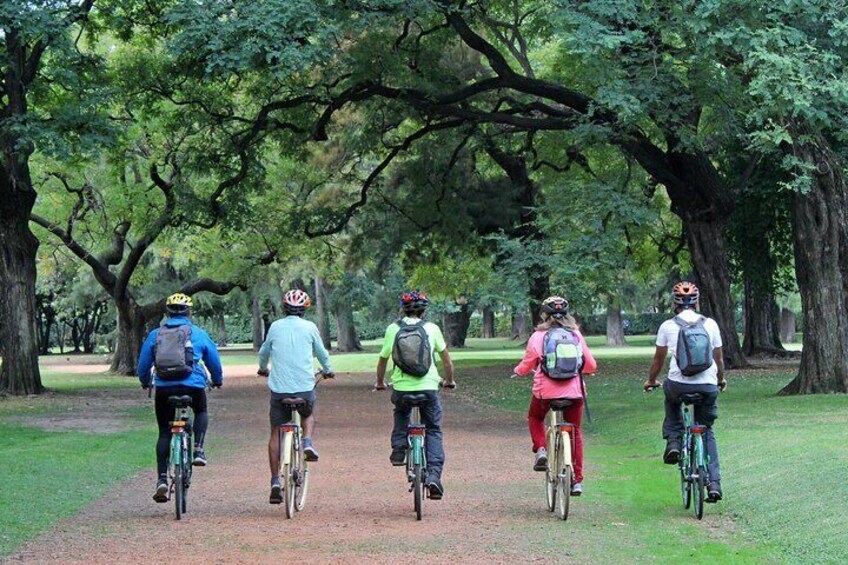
(685, 293)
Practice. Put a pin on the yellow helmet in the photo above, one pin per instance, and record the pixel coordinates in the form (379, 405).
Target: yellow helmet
(178, 302)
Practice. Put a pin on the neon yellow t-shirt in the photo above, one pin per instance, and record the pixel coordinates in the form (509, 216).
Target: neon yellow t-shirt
(410, 383)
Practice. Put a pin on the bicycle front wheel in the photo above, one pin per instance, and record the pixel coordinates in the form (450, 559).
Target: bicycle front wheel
(418, 490)
(564, 493)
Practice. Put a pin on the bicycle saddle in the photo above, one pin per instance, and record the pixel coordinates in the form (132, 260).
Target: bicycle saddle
(181, 401)
(292, 401)
(560, 403)
(691, 398)
(415, 399)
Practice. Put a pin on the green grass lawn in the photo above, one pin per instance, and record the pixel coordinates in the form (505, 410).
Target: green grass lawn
(783, 467)
(49, 472)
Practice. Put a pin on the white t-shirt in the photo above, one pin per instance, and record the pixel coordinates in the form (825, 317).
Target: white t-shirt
(667, 337)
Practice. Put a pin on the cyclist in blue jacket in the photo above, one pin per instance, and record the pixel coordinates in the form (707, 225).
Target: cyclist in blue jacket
(172, 381)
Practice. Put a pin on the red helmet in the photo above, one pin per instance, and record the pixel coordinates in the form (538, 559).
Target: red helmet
(413, 300)
(296, 301)
(685, 293)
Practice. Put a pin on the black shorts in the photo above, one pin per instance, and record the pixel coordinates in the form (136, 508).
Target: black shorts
(281, 413)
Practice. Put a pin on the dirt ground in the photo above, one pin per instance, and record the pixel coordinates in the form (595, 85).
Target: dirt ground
(358, 509)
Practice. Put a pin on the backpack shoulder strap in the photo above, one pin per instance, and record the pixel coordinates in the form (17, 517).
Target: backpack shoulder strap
(681, 322)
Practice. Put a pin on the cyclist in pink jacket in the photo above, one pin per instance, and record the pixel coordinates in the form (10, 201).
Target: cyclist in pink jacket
(555, 315)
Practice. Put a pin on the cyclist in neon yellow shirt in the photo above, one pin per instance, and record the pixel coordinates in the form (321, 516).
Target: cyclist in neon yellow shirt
(414, 304)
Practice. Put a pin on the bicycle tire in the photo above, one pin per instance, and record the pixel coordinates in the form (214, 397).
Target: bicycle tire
(550, 477)
(301, 482)
(418, 490)
(563, 487)
(186, 464)
(288, 490)
(685, 476)
(179, 492)
(700, 483)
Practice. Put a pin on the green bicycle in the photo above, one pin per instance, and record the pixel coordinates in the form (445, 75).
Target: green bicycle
(693, 458)
(179, 461)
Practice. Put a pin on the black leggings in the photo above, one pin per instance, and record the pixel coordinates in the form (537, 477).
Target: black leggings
(165, 415)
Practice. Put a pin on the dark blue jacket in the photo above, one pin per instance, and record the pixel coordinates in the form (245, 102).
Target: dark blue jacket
(204, 349)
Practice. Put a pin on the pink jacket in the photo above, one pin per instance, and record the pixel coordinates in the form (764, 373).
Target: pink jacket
(547, 388)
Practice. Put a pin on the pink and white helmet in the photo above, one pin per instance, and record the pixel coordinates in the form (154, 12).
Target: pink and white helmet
(297, 299)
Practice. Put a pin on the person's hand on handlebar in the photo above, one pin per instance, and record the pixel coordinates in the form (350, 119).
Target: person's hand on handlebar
(449, 384)
(328, 375)
(380, 386)
(722, 384)
(650, 385)
(263, 373)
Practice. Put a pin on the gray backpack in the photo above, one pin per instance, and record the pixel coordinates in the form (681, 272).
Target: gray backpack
(411, 349)
(694, 353)
(173, 355)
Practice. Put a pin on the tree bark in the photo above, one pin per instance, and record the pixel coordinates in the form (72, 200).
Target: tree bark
(615, 332)
(761, 313)
(488, 322)
(347, 340)
(455, 325)
(131, 328)
(222, 328)
(19, 373)
(521, 325)
(322, 313)
(819, 218)
(787, 326)
(258, 323)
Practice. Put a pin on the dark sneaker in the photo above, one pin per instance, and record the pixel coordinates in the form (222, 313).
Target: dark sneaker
(672, 452)
(541, 463)
(714, 492)
(398, 457)
(199, 458)
(576, 489)
(276, 493)
(161, 494)
(309, 450)
(436, 489)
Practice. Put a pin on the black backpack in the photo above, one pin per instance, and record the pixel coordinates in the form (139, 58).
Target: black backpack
(173, 355)
(694, 353)
(411, 349)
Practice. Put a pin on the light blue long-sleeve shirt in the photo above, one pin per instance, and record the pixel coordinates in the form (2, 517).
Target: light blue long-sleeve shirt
(290, 346)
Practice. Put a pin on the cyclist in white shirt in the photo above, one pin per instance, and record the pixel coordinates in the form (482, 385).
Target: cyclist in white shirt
(707, 383)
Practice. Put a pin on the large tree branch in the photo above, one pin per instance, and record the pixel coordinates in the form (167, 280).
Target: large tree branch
(221, 288)
(101, 271)
(76, 14)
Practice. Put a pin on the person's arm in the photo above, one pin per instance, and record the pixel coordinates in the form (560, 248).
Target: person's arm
(656, 366)
(590, 365)
(265, 354)
(447, 362)
(320, 352)
(718, 357)
(212, 360)
(145, 360)
(532, 354)
(383, 361)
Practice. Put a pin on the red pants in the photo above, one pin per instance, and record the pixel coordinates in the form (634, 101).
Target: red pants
(573, 414)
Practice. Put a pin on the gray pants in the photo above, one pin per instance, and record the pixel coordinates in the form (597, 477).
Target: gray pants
(706, 413)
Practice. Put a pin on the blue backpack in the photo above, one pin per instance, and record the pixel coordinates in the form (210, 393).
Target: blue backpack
(562, 354)
(694, 353)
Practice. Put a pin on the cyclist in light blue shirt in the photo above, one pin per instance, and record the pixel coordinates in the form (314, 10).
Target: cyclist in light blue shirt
(290, 346)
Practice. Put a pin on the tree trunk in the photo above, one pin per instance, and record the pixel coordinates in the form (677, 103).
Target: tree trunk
(131, 327)
(322, 313)
(347, 339)
(19, 373)
(488, 322)
(821, 251)
(520, 326)
(787, 326)
(761, 313)
(222, 328)
(456, 326)
(708, 248)
(615, 331)
(258, 329)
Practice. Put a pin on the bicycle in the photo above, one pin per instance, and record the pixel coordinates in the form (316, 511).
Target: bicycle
(559, 472)
(179, 462)
(294, 467)
(694, 460)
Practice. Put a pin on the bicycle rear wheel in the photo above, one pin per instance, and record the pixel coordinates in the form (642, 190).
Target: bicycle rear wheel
(550, 476)
(302, 485)
(418, 490)
(699, 484)
(289, 472)
(685, 482)
(563, 488)
(179, 492)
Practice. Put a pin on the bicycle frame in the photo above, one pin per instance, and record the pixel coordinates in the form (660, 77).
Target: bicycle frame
(290, 434)
(415, 436)
(562, 435)
(180, 457)
(560, 470)
(693, 462)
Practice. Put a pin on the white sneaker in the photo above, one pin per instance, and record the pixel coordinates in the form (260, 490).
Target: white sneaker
(541, 463)
(576, 489)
